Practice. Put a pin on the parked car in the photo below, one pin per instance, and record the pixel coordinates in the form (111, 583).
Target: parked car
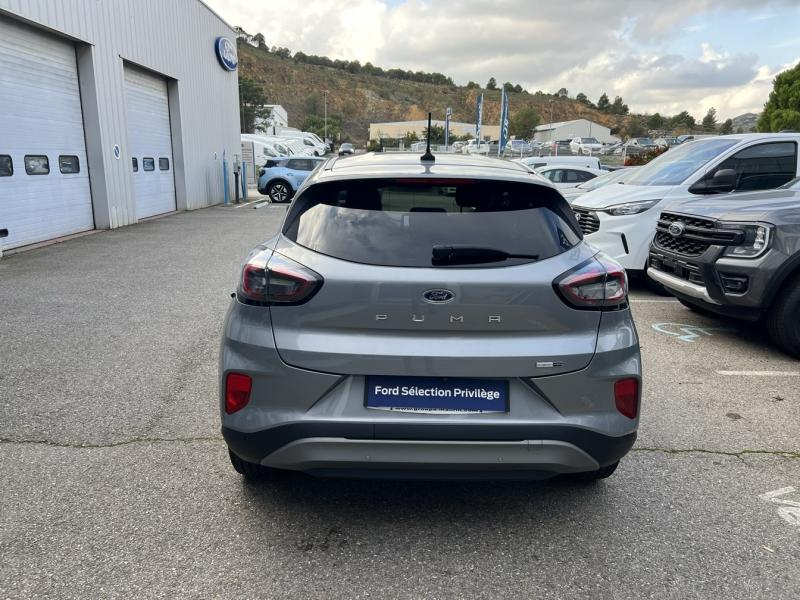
(666, 142)
(473, 147)
(556, 148)
(645, 143)
(611, 149)
(567, 176)
(281, 178)
(608, 177)
(457, 146)
(629, 149)
(621, 220)
(585, 145)
(736, 255)
(518, 148)
(346, 149)
(438, 321)
(536, 162)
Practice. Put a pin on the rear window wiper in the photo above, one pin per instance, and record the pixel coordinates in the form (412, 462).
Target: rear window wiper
(469, 255)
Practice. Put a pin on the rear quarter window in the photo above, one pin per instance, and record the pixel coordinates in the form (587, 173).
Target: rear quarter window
(398, 222)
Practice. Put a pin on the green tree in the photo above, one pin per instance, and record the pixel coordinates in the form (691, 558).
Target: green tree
(618, 107)
(508, 86)
(656, 121)
(562, 93)
(316, 124)
(472, 85)
(603, 103)
(491, 84)
(410, 137)
(782, 109)
(635, 128)
(518, 89)
(582, 98)
(251, 104)
(523, 122)
(726, 127)
(684, 119)
(709, 122)
(437, 134)
(259, 39)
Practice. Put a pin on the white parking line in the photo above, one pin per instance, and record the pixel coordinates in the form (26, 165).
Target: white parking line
(761, 373)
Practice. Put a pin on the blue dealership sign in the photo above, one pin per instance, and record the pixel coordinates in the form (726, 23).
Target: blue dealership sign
(226, 53)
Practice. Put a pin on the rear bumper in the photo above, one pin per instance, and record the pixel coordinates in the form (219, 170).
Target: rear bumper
(315, 446)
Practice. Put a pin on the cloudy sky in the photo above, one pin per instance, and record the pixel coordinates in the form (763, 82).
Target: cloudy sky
(659, 55)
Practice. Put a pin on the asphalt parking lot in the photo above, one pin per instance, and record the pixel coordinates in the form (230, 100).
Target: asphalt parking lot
(116, 482)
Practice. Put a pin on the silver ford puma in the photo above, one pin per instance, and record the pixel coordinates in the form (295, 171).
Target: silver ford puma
(429, 319)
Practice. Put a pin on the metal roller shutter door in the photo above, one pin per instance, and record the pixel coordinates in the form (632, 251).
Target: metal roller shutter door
(150, 142)
(40, 116)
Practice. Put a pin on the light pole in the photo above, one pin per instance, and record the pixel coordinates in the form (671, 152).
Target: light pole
(326, 115)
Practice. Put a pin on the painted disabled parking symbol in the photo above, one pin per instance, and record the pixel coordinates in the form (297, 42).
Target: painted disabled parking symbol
(687, 333)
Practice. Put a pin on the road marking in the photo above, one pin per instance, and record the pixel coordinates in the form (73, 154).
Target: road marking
(761, 373)
(789, 510)
(687, 333)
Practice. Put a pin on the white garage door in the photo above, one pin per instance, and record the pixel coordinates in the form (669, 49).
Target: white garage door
(150, 142)
(44, 179)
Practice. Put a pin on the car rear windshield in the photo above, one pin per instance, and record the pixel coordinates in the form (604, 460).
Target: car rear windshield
(398, 222)
(676, 165)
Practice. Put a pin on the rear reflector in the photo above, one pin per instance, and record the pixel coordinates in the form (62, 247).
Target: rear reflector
(237, 391)
(626, 397)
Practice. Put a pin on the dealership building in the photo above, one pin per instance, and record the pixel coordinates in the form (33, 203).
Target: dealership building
(111, 112)
(567, 130)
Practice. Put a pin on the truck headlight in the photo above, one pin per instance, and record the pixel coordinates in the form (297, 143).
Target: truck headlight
(758, 237)
(630, 208)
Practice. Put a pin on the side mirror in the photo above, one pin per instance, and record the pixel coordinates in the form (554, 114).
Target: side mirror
(723, 181)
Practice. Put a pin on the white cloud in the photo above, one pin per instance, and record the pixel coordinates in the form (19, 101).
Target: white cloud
(583, 45)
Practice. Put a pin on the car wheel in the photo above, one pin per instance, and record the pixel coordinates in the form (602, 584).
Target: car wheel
(783, 325)
(279, 191)
(252, 471)
(597, 475)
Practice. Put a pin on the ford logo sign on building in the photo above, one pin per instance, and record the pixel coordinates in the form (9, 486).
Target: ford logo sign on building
(226, 53)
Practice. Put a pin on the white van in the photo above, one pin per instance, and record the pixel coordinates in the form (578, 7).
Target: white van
(620, 218)
(312, 141)
(534, 162)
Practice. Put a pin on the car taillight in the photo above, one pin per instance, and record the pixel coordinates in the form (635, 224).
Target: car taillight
(599, 284)
(276, 279)
(626, 397)
(237, 391)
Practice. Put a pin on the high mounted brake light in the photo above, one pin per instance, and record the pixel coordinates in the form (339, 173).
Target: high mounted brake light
(598, 284)
(276, 279)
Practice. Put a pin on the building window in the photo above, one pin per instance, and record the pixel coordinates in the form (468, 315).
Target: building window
(135, 163)
(148, 164)
(163, 164)
(36, 164)
(6, 166)
(69, 164)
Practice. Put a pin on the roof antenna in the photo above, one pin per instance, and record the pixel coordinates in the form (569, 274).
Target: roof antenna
(428, 157)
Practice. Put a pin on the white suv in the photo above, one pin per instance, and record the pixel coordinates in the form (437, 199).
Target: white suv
(585, 145)
(620, 219)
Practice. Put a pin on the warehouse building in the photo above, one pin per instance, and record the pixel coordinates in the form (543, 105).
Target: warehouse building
(566, 130)
(396, 130)
(112, 112)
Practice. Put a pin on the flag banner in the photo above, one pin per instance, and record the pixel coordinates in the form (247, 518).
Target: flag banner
(478, 119)
(503, 124)
(447, 114)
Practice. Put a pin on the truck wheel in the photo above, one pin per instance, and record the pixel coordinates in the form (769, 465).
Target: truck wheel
(783, 324)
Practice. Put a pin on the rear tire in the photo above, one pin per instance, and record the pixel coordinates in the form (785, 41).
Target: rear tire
(279, 191)
(252, 471)
(782, 320)
(597, 475)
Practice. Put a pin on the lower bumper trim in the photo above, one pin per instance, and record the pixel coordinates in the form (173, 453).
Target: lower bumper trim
(681, 285)
(335, 453)
(260, 445)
